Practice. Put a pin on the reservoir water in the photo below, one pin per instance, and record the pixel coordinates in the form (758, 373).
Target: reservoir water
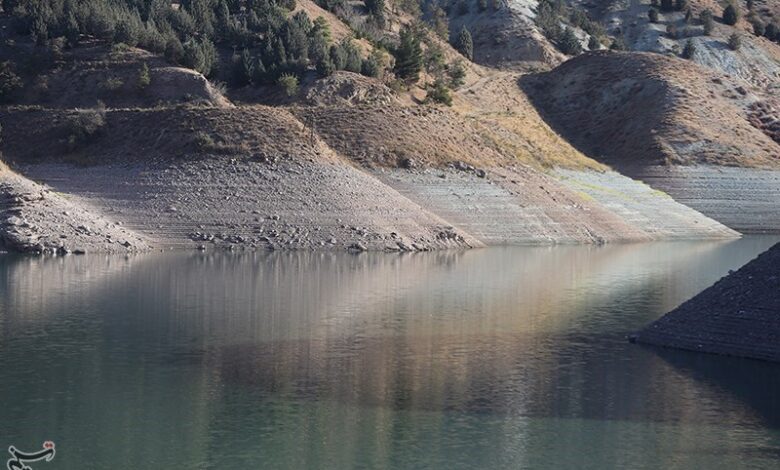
(490, 358)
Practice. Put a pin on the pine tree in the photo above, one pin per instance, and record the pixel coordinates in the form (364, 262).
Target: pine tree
(569, 44)
(464, 44)
(457, 74)
(409, 56)
(707, 21)
(144, 77)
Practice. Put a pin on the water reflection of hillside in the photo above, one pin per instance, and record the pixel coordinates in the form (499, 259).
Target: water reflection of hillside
(469, 352)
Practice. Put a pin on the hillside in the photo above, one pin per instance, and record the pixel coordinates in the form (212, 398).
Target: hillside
(756, 62)
(637, 109)
(705, 139)
(332, 159)
(738, 316)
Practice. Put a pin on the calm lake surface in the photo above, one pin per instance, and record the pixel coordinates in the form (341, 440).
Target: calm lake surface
(492, 358)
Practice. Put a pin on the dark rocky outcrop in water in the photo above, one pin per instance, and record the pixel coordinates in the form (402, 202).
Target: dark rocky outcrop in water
(738, 316)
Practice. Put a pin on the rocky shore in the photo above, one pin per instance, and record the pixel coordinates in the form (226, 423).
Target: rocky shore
(35, 219)
(738, 316)
(303, 204)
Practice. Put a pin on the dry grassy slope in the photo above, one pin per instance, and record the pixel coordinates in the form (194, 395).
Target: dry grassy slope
(146, 134)
(338, 29)
(94, 73)
(631, 109)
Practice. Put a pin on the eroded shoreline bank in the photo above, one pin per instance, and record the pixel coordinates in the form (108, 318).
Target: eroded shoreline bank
(307, 205)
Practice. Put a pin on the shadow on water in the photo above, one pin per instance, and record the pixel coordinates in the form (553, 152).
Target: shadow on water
(754, 383)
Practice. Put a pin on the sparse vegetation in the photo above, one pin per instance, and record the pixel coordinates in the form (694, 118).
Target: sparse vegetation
(549, 16)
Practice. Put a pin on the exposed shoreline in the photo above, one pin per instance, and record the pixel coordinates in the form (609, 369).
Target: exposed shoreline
(301, 204)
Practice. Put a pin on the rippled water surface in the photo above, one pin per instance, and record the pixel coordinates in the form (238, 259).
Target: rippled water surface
(493, 358)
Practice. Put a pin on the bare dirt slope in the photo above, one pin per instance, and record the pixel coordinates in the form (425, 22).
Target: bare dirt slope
(756, 63)
(738, 316)
(33, 218)
(638, 109)
(263, 177)
(507, 37)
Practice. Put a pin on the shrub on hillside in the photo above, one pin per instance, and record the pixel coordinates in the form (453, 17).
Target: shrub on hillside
(759, 28)
(10, 82)
(439, 93)
(735, 42)
(707, 21)
(288, 83)
(730, 14)
(689, 50)
(457, 74)
(772, 31)
(144, 78)
(667, 5)
(652, 15)
(85, 126)
(111, 84)
(569, 44)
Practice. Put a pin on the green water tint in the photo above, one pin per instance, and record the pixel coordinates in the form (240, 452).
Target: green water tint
(493, 358)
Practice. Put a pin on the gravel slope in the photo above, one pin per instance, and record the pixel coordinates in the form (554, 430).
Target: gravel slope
(745, 199)
(35, 219)
(737, 316)
(305, 205)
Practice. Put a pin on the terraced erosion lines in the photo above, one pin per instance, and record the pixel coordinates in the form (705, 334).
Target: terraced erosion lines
(746, 199)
